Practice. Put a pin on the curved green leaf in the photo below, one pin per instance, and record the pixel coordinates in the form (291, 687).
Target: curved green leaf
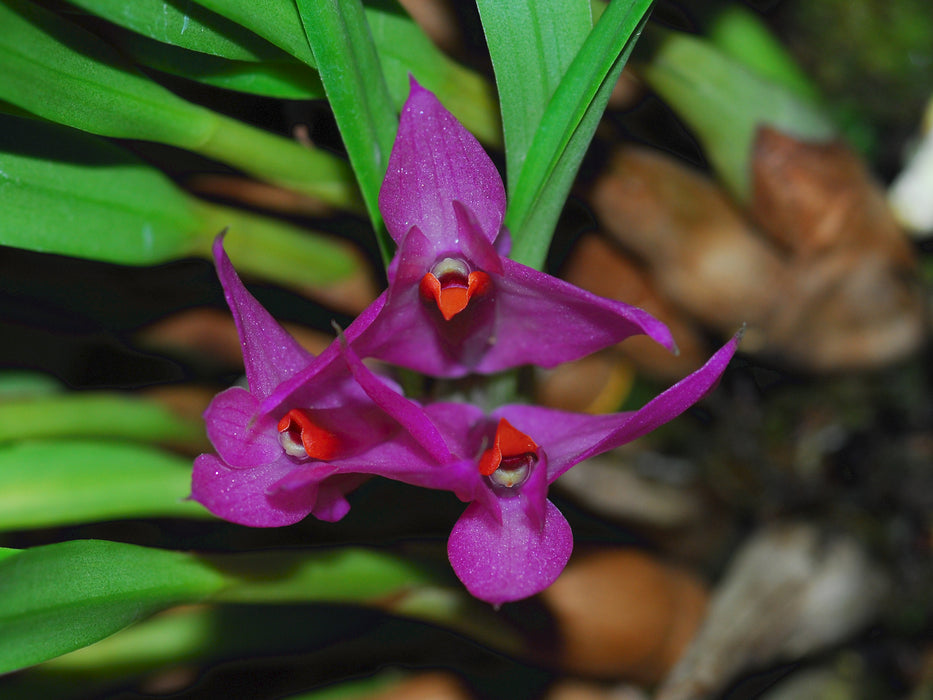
(61, 597)
(61, 72)
(184, 24)
(95, 414)
(66, 482)
(287, 80)
(70, 193)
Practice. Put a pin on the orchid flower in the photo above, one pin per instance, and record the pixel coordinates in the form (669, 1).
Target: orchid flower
(455, 304)
(512, 542)
(272, 439)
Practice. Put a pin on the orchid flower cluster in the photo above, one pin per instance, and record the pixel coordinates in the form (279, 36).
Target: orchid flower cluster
(310, 429)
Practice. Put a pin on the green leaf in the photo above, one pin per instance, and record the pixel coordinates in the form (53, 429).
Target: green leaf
(61, 72)
(95, 414)
(61, 597)
(404, 49)
(69, 193)
(66, 482)
(567, 127)
(352, 76)
(724, 103)
(287, 79)
(194, 27)
(531, 44)
(402, 46)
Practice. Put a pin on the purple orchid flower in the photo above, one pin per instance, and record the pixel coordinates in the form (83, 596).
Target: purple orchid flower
(455, 304)
(512, 542)
(284, 452)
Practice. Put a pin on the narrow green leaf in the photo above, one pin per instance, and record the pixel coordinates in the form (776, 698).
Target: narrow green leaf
(70, 193)
(66, 482)
(22, 384)
(287, 79)
(184, 24)
(63, 73)
(61, 597)
(567, 127)
(352, 76)
(403, 49)
(95, 414)
(724, 103)
(531, 44)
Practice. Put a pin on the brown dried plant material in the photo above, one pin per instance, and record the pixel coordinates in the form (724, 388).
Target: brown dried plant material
(791, 590)
(623, 614)
(258, 194)
(843, 296)
(438, 20)
(211, 333)
(597, 383)
(598, 266)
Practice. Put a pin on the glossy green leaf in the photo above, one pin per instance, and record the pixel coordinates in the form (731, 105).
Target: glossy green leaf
(95, 414)
(63, 73)
(66, 482)
(531, 44)
(724, 103)
(356, 89)
(70, 193)
(287, 79)
(402, 46)
(567, 128)
(61, 597)
(22, 384)
(185, 24)
(404, 49)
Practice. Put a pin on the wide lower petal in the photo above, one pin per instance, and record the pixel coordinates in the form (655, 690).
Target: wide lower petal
(242, 495)
(511, 560)
(237, 432)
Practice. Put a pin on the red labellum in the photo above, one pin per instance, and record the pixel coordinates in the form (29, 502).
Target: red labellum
(451, 287)
(301, 437)
(511, 456)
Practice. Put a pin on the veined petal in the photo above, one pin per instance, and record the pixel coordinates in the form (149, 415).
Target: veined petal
(577, 322)
(434, 162)
(240, 436)
(242, 495)
(270, 353)
(509, 560)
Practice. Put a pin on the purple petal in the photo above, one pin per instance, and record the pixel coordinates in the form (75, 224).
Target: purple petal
(499, 563)
(407, 413)
(569, 438)
(270, 354)
(240, 437)
(578, 322)
(435, 161)
(241, 495)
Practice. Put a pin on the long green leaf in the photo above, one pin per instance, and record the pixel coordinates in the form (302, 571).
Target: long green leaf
(288, 79)
(67, 482)
(70, 193)
(63, 73)
(95, 414)
(61, 597)
(403, 49)
(349, 68)
(184, 24)
(531, 44)
(567, 127)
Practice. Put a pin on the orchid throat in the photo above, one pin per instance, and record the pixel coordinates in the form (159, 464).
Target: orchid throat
(508, 463)
(452, 285)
